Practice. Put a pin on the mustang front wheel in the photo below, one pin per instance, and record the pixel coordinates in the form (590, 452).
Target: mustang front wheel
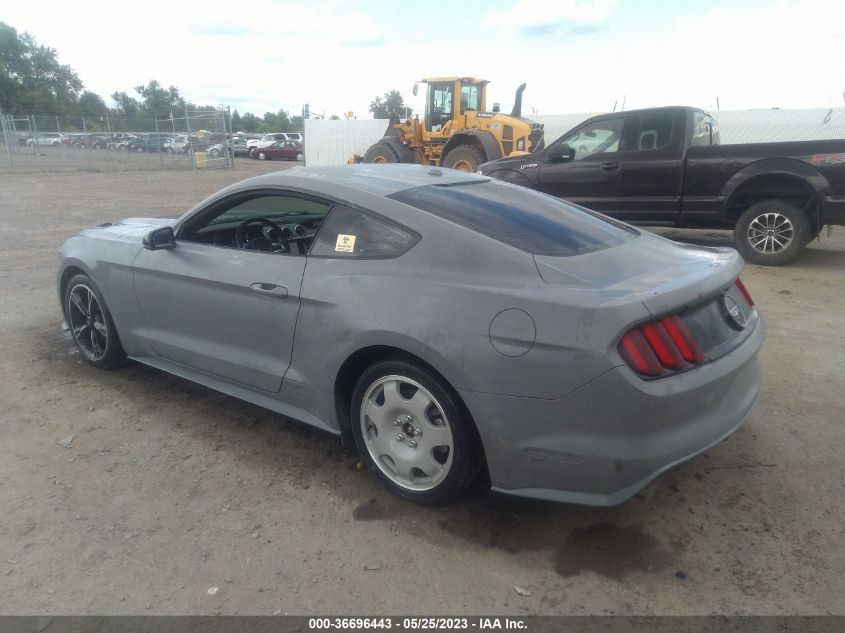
(91, 325)
(412, 431)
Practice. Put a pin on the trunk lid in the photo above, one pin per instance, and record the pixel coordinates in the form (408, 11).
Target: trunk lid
(666, 278)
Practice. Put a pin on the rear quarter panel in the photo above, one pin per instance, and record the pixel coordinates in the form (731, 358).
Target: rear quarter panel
(713, 173)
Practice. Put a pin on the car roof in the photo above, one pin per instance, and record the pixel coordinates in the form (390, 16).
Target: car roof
(372, 179)
(364, 185)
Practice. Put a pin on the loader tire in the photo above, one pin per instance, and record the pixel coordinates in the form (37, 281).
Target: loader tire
(381, 153)
(464, 158)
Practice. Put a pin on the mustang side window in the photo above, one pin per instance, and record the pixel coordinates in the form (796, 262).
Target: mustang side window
(352, 233)
(269, 223)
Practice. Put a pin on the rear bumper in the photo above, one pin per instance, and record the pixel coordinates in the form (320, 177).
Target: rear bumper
(604, 442)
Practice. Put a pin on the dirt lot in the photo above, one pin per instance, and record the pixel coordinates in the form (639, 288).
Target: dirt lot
(168, 489)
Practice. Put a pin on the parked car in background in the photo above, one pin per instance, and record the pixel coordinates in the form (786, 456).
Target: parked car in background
(280, 150)
(150, 143)
(452, 324)
(91, 141)
(240, 145)
(269, 139)
(178, 144)
(666, 167)
(46, 139)
(120, 140)
(217, 149)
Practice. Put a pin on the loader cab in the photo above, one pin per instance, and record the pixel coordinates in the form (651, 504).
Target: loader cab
(450, 97)
(438, 108)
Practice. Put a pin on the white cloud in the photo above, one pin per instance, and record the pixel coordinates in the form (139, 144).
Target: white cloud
(279, 55)
(547, 16)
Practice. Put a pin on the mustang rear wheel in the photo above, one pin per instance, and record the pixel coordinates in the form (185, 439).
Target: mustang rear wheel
(91, 325)
(413, 433)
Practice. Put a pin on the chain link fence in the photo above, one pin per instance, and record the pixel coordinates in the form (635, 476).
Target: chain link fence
(738, 126)
(54, 143)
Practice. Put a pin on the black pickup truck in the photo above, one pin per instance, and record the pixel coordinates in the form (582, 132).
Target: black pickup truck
(666, 167)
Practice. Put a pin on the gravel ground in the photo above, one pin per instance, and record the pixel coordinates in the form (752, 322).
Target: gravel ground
(133, 492)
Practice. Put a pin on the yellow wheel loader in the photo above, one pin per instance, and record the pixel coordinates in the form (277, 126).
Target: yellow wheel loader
(458, 131)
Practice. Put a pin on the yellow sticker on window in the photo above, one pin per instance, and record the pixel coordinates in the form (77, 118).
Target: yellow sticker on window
(345, 243)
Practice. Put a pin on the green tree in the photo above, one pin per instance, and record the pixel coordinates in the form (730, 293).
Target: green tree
(91, 104)
(390, 106)
(276, 122)
(124, 104)
(249, 122)
(31, 77)
(159, 101)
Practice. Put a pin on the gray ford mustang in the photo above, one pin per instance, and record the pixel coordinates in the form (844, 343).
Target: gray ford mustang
(449, 322)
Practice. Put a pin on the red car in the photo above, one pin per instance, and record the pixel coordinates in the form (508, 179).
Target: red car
(280, 150)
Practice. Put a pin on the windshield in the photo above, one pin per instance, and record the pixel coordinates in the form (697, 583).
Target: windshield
(528, 220)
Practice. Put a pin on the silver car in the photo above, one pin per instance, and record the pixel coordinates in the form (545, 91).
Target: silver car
(449, 322)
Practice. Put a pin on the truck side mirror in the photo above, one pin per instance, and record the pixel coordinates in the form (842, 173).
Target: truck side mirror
(162, 237)
(560, 153)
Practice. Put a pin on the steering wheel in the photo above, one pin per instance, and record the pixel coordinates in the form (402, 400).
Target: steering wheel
(270, 231)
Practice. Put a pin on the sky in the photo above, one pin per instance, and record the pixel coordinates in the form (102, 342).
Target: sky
(575, 55)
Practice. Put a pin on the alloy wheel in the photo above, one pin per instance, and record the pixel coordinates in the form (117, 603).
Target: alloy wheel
(406, 433)
(770, 233)
(87, 322)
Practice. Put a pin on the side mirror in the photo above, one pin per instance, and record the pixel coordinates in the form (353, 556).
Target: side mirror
(560, 153)
(162, 237)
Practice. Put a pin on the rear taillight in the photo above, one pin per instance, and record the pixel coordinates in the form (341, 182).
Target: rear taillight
(660, 347)
(744, 291)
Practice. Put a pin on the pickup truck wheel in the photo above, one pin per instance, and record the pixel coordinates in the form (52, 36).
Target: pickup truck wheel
(464, 158)
(771, 232)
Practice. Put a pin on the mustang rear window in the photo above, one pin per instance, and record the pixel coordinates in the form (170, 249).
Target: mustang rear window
(520, 217)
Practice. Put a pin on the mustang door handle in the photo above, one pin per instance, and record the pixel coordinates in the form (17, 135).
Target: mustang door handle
(609, 166)
(271, 290)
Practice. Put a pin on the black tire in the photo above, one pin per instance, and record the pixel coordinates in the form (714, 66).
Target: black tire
(464, 158)
(467, 454)
(772, 232)
(111, 354)
(381, 153)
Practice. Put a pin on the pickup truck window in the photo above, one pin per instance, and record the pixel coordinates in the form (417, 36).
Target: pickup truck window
(705, 130)
(655, 132)
(601, 137)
